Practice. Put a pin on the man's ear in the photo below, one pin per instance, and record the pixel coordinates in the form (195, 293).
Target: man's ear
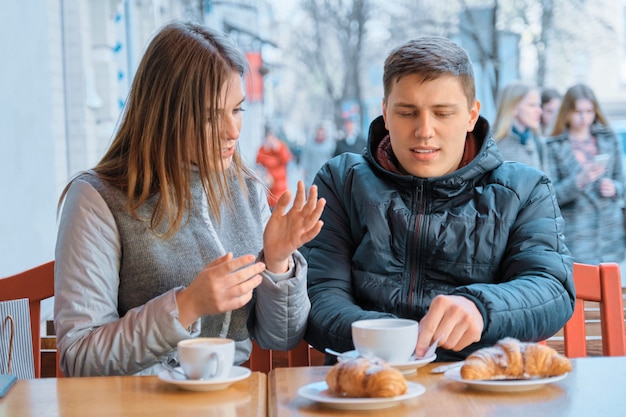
(385, 113)
(474, 113)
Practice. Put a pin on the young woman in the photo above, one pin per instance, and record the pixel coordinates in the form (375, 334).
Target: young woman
(586, 168)
(550, 103)
(517, 125)
(170, 236)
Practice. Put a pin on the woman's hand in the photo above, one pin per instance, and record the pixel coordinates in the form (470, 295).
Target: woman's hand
(590, 173)
(287, 231)
(225, 284)
(607, 188)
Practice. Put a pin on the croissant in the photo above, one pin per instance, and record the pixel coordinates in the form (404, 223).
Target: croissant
(512, 359)
(364, 377)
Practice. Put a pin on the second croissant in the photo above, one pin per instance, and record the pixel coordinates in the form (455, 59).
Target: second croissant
(512, 359)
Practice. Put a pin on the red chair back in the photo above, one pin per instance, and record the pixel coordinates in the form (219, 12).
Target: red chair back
(36, 284)
(262, 360)
(601, 284)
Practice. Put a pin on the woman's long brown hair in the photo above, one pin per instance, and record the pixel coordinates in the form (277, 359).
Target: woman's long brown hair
(568, 106)
(176, 88)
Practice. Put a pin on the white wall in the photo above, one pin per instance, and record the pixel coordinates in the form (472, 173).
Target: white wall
(29, 133)
(59, 104)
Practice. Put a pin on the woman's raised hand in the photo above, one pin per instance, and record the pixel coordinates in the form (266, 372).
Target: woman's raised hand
(286, 230)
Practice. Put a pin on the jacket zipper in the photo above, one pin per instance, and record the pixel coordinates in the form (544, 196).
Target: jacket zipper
(413, 255)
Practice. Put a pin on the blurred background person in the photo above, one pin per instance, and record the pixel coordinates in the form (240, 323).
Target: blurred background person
(516, 128)
(273, 156)
(352, 141)
(550, 103)
(317, 151)
(586, 168)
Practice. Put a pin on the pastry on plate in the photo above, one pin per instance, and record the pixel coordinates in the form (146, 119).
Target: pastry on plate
(512, 359)
(364, 377)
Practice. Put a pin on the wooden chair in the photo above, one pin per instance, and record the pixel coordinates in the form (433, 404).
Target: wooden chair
(262, 360)
(601, 284)
(36, 284)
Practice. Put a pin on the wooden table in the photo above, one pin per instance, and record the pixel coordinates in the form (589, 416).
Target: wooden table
(132, 396)
(596, 387)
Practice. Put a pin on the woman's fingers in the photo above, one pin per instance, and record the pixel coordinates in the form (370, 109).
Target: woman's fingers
(245, 279)
(227, 283)
(282, 203)
(300, 199)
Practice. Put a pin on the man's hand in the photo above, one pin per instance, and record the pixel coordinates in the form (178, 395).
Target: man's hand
(454, 319)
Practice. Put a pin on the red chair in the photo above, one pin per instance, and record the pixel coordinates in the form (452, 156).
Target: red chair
(601, 284)
(36, 284)
(262, 360)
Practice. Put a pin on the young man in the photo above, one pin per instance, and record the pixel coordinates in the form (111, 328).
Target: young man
(430, 224)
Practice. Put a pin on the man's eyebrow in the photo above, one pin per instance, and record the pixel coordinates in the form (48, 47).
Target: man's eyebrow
(446, 106)
(405, 105)
(435, 106)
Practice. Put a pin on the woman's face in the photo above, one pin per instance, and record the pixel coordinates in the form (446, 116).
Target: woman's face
(550, 109)
(582, 116)
(229, 120)
(528, 111)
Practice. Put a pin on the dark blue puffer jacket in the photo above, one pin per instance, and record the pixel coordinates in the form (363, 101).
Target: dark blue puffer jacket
(491, 231)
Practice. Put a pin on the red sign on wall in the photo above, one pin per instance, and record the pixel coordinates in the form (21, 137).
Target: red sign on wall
(254, 78)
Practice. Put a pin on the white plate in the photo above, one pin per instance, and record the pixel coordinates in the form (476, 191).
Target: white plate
(502, 385)
(237, 373)
(318, 391)
(406, 368)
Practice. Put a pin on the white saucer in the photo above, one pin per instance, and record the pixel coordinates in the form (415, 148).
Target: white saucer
(237, 373)
(406, 368)
(318, 391)
(502, 385)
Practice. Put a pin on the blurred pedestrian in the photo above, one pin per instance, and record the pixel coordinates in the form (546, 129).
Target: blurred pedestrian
(274, 155)
(352, 140)
(317, 151)
(550, 103)
(517, 125)
(586, 167)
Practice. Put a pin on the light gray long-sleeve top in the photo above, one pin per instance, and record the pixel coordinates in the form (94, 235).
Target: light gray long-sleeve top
(93, 339)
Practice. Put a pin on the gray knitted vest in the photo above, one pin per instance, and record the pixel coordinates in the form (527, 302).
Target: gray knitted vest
(151, 265)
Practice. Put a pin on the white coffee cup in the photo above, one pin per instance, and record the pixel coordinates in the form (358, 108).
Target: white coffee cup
(391, 339)
(206, 357)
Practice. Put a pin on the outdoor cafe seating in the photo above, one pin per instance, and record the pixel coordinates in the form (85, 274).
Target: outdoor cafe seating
(284, 384)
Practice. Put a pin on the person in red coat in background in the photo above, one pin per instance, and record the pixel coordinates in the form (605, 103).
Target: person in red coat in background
(274, 155)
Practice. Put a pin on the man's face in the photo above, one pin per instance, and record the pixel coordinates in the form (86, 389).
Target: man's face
(428, 124)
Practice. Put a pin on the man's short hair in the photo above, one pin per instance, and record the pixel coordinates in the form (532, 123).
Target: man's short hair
(430, 57)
